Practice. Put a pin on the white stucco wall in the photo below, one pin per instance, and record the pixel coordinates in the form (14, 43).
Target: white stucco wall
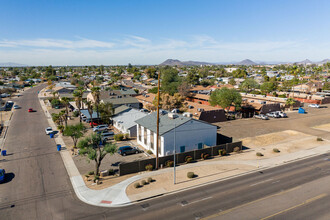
(190, 135)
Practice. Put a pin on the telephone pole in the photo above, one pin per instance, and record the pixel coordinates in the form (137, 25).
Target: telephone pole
(158, 95)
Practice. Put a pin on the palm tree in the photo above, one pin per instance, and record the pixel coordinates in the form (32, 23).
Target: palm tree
(96, 96)
(90, 110)
(290, 102)
(78, 98)
(65, 101)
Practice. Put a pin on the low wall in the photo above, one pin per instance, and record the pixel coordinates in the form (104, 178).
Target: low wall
(138, 166)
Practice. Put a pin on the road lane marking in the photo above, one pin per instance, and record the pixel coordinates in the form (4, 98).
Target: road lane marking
(261, 182)
(199, 200)
(249, 203)
(296, 206)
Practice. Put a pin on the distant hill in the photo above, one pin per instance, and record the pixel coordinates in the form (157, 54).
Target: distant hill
(173, 62)
(10, 64)
(246, 62)
(307, 61)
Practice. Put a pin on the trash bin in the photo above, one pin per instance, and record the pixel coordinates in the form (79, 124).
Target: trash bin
(4, 152)
(51, 135)
(58, 147)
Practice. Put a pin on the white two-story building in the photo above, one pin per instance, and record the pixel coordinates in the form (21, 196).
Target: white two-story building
(174, 130)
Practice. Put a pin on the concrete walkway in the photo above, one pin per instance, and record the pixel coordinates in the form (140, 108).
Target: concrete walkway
(115, 196)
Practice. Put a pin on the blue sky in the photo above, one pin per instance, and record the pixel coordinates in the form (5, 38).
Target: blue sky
(114, 32)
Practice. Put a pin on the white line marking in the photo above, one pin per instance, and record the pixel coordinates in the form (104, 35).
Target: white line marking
(261, 182)
(198, 200)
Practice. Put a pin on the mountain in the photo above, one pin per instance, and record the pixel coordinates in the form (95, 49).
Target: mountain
(324, 61)
(246, 62)
(173, 62)
(10, 64)
(307, 61)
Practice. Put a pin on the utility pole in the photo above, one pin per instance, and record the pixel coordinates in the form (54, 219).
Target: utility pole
(158, 95)
(174, 174)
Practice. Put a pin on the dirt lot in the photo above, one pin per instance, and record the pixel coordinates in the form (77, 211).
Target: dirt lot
(305, 123)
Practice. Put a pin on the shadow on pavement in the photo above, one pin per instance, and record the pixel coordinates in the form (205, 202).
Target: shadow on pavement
(8, 177)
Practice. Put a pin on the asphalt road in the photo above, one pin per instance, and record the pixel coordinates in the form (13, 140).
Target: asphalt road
(39, 187)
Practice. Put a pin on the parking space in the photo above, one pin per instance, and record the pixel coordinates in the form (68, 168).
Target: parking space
(242, 128)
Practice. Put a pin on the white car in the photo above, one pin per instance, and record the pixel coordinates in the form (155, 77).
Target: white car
(261, 116)
(314, 106)
(49, 130)
(100, 128)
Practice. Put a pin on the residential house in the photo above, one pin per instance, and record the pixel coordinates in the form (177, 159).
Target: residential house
(125, 119)
(185, 133)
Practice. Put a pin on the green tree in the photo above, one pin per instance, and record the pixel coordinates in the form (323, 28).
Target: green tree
(290, 102)
(170, 80)
(225, 97)
(75, 132)
(232, 82)
(78, 94)
(96, 96)
(65, 102)
(153, 90)
(192, 77)
(106, 111)
(268, 87)
(90, 109)
(249, 84)
(90, 147)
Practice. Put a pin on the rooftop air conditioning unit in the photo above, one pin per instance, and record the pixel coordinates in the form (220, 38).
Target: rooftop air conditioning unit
(187, 114)
(200, 109)
(172, 115)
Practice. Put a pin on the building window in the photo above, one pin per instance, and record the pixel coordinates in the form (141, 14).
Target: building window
(182, 149)
(200, 146)
(140, 133)
(145, 136)
(152, 140)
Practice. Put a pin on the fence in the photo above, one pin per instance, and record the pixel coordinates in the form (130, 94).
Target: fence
(138, 166)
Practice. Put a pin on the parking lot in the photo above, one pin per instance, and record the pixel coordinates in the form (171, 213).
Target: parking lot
(242, 128)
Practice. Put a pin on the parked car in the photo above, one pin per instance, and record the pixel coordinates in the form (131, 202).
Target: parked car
(126, 150)
(30, 110)
(314, 106)
(94, 123)
(49, 130)
(175, 110)
(261, 116)
(273, 115)
(107, 135)
(101, 128)
(281, 114)
(2, 175)
(17, 107)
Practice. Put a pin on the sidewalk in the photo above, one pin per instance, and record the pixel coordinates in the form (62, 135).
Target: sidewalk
(116, 196)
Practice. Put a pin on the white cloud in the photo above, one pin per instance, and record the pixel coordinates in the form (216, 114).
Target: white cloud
(140, 50)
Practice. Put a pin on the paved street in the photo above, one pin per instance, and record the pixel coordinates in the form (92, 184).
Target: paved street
(40, 187)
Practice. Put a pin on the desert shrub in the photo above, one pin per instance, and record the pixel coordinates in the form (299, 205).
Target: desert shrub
(204, 156)
(149, 167)
(137, 185)
(169, 163)
(190, 175)
(276, 150)
(91, 173)
(118, 137)
(259, 154)
(149, 151)
(222, 152)
(188, 159)
(75, 114)
(149, 180)
(236, 149)
(111, 172)
(143, 182)
(319, 139)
